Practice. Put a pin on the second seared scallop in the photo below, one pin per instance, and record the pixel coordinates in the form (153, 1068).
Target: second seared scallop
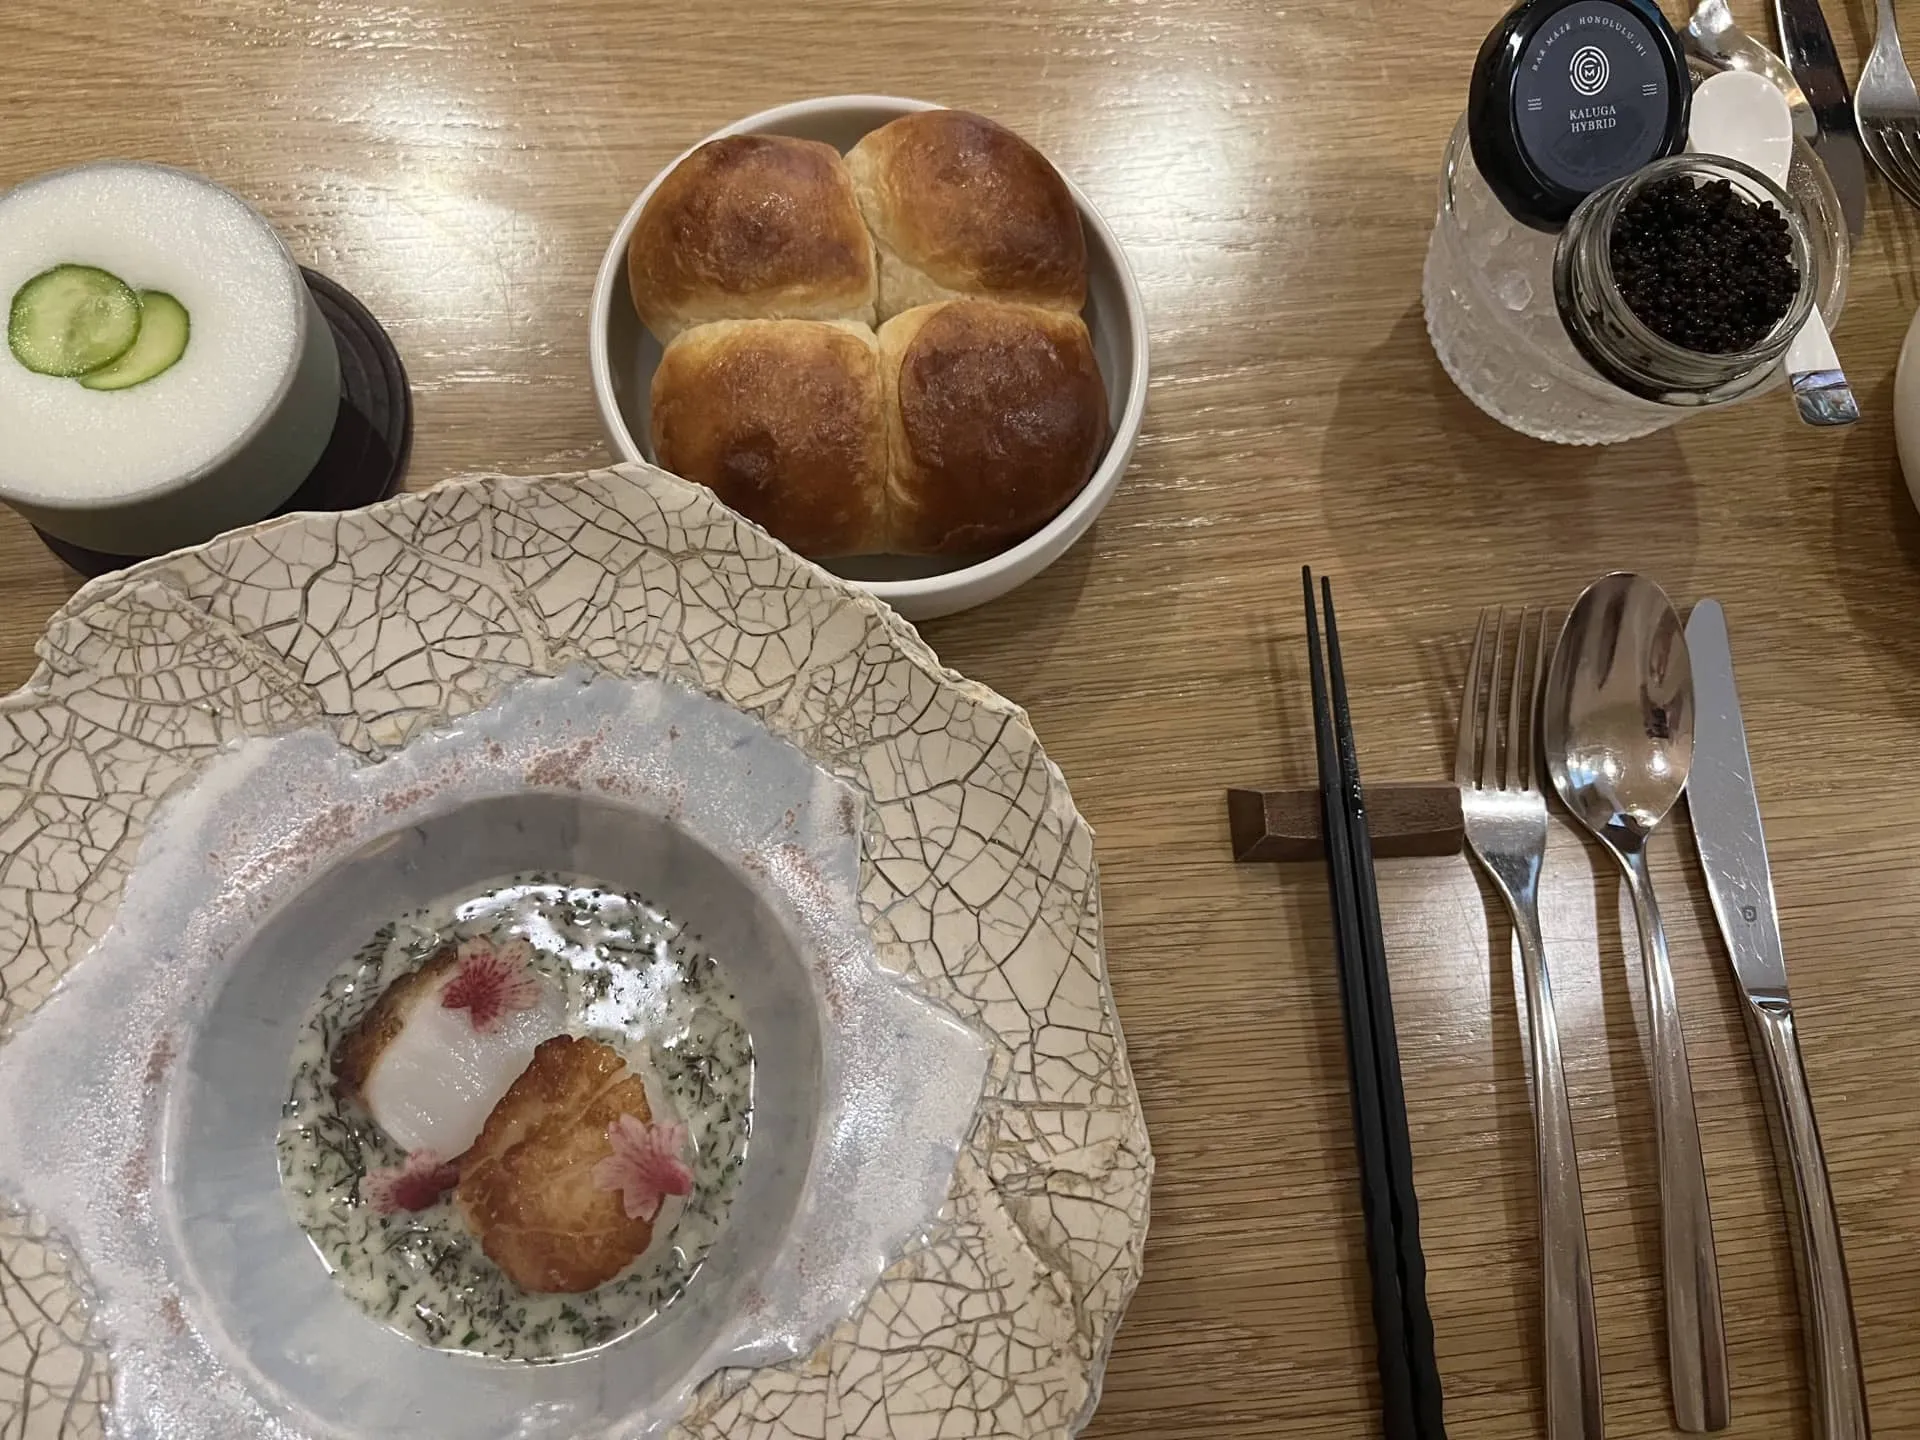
(571, 1172)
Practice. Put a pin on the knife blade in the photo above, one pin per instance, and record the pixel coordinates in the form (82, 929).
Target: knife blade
(1726, 813)
(1725, 816)
(1807, 44)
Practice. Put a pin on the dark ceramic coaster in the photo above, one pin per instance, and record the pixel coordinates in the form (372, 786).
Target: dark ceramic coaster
(367, 454)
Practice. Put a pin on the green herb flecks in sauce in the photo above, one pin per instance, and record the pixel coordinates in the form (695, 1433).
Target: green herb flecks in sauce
(632, 978)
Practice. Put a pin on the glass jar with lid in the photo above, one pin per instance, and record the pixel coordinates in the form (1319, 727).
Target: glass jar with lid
(1498, 328)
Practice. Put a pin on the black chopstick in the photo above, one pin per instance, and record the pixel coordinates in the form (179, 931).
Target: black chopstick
(1412, 1262)
(1403, 1327)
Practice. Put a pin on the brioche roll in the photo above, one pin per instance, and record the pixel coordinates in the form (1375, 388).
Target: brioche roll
(961, 206)
(752, 227)
(782, 420)
(996, 417)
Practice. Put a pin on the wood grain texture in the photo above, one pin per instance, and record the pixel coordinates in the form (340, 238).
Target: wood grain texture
(1271, 170)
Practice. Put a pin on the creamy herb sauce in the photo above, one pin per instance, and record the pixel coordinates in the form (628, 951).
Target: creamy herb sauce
(631, 977)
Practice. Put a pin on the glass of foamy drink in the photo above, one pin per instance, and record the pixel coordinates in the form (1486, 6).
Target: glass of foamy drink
(167, 374)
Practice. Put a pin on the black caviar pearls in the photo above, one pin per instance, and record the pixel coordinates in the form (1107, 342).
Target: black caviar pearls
(1702, 265)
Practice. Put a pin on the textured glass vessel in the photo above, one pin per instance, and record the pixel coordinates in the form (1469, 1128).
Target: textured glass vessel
(1496, 327)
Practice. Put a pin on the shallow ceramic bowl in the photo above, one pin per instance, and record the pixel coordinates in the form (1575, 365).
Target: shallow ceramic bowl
(624, 356)
(235, 758)
(864, 1093)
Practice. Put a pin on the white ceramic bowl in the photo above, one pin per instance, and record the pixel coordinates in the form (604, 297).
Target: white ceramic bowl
(1906, 409)
(624, 355)
(865, 1092)
(191, 229)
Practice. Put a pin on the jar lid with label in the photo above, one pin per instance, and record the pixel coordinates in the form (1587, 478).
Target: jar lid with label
(1571, 95)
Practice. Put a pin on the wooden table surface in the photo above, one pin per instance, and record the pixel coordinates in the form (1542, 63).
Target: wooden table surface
(1271, 171)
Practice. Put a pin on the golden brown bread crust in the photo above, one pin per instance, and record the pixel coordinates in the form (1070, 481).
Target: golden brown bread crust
(526, 1185)
(752, 226)
(996, 418)
(782, 420)
(361, 1047)
(962, 206)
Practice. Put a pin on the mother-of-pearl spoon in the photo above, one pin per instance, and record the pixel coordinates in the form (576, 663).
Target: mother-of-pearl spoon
(1742, 115)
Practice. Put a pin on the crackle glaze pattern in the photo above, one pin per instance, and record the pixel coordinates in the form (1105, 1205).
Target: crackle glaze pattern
(977, 881)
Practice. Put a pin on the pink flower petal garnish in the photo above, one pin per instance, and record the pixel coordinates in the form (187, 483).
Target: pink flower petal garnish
(492, 983)
(645, 1166)
(414, 1185)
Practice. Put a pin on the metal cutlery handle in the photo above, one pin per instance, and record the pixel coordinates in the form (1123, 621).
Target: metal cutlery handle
(1807, 44)
(1826, 1302)
(1887, 29)
(1696, 1337)
(1572, 1334)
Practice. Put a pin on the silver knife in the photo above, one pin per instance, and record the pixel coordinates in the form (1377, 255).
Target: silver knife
(1808, 46)
(1725, 816)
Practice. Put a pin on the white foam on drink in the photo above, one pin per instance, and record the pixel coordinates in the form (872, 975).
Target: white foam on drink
(157, 229)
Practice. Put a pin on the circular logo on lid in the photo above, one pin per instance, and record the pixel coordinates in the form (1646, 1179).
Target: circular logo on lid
(1589, 70)
(1592, 97)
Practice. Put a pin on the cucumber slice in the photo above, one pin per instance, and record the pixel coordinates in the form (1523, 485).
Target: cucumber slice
(162, 340)
(72, 319)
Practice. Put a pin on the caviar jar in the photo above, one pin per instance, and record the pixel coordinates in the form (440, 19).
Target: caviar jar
(1613, 339)
(1495, 320)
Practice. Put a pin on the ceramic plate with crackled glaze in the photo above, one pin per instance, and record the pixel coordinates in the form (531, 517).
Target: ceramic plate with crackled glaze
(234, 762)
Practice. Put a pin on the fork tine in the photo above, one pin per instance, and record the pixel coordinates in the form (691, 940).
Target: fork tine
(1469, 710)
(1490, 753)
(1906, 170)
(1875, 146)
(1530, 730)
(1894, 157)
(1893, 152)
(1516, 742)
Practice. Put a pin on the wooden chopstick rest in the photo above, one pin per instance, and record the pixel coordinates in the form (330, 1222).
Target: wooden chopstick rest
(1405, 820)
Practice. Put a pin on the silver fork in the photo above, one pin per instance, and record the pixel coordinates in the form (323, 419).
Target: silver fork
(1506, 822)
(1886, 107)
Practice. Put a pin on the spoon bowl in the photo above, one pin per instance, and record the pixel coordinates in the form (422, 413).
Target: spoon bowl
(1617, 726)
(1743, 115)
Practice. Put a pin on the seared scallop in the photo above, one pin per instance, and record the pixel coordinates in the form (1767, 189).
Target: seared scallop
(565, 1183)
(446, 1041)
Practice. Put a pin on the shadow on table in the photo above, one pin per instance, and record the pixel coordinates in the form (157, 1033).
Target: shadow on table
(1009, 643)
(1876, 559)
(1476, 507)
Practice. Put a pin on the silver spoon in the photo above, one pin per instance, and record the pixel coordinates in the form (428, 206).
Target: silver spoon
(1617, 729)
